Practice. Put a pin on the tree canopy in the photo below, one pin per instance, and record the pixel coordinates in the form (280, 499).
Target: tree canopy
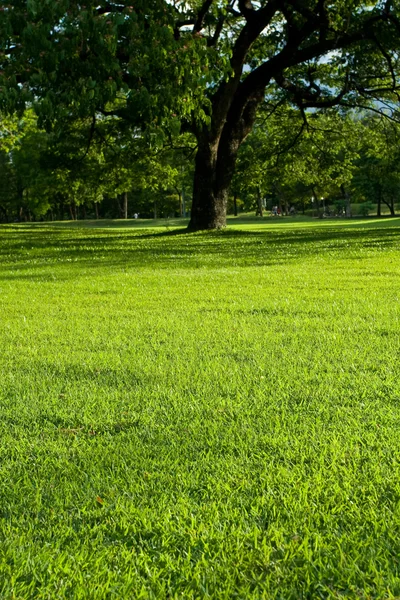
(206, 67)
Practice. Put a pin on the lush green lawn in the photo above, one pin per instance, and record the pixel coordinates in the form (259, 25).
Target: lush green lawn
(200, 415)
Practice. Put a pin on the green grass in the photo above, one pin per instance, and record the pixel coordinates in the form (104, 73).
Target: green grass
(211, 415)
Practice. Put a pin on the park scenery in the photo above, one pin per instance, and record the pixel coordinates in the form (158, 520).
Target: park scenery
(199, 300)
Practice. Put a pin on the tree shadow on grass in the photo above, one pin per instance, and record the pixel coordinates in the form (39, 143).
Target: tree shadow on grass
(68, 254)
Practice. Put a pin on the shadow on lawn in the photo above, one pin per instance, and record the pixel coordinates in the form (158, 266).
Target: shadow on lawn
(27, 252)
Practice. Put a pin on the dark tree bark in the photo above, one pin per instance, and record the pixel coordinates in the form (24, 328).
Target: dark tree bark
(215, 164)
(4, 212)
(260, 211)
(346, 197)
(119, 208)
(316, 204)
(125, 207)
(183, 196)
(390, 205)
(180, 202)
(209, 196)
(308, 36)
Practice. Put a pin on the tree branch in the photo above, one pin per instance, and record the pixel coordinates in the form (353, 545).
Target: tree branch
(198, 26)
(213, 41)
(246, 8)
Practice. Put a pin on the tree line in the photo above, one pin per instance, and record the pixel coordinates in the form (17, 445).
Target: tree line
(324, 164)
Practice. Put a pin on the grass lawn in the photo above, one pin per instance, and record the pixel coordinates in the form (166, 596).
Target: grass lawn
(211, 415)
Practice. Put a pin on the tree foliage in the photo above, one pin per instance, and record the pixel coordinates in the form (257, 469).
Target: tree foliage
(164, 67)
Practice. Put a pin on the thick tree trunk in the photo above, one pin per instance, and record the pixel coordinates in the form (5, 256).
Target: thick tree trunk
(216, 160)
(96, 208)
(210, 194)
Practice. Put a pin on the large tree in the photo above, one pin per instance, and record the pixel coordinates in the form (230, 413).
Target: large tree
(208, 63)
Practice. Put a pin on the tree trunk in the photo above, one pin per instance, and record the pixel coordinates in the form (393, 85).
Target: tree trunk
(125, 209)
(235, 210)
(180, 202)
(119, 208)
(346, 196)
(210, 196)
(183, 203)
(96, 208)
(3, 210)
(316, 202)
(259, 203)
(390, 206)
(216, 160)
(286, 203)
(281, 200)
(155, 209)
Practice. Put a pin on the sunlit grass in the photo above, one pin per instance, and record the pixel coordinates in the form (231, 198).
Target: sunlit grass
(209, 415)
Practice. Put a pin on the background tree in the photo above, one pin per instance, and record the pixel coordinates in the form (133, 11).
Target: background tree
(377, 177)
(292, 158)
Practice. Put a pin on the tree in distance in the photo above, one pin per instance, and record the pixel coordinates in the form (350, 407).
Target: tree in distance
(292, 158)
(205, 67)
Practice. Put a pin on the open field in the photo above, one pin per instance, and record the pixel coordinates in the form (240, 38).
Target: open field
(211, 415)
